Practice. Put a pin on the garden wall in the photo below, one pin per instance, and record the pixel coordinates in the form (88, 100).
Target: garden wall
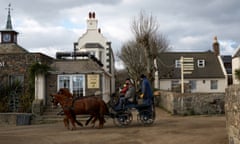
(15, 119)
(191, 103)
(232, 110)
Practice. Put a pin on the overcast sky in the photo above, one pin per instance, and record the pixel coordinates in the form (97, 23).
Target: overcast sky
(48, 26)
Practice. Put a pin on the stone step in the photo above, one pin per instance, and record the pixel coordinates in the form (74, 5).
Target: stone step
(51, 115)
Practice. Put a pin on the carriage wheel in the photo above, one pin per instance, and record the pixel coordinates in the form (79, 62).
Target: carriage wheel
(146, 117)
(123, 119)
(114, 101)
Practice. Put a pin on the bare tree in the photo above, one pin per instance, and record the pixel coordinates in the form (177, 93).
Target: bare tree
(151, 42)
(134, 59)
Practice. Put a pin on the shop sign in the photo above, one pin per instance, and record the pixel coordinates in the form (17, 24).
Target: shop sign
(93, 81)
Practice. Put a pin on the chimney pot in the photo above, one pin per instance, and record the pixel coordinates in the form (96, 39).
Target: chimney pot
(216, 48)
(90, 15)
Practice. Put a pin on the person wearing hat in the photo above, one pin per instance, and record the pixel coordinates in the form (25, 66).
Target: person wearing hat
(146, 90)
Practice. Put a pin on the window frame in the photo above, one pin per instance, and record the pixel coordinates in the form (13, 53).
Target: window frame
(177, 63)
(201, 63)
(70, 86)
(214, 84)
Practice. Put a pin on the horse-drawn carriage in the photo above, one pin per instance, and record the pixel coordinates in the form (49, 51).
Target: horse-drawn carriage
(122, 115)
(98, 109)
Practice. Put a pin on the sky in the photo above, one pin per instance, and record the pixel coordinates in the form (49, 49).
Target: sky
(48, 26)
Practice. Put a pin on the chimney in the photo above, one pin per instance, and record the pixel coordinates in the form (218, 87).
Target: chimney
(216, 46)
(89, 15)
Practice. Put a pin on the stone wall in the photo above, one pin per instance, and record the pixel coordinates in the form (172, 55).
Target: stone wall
(232, 108)
(191, 103)
(15, 119)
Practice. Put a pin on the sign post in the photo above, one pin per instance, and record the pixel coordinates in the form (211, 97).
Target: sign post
(187, 66)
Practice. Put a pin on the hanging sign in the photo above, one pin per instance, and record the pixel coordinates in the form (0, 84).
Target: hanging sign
(93, 81)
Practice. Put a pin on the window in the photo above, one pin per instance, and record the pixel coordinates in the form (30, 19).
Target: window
(75, 83)
(77, 86)
(16, 85)
(193, 84)
(177, 64)
(175, 83)
(93, 53)
(201, 63)
(214, 84)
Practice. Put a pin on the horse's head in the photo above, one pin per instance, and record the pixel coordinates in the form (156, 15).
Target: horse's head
(60, 99)
(55, 100)
(66, 92)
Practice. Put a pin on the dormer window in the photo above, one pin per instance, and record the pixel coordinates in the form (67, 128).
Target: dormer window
(177, 64)
(201, 63)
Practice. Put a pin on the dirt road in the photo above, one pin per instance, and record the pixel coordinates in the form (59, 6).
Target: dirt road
(167, 129)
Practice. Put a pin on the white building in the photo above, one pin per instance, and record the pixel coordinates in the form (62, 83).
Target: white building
(208, 74)
(94, 42)
(235, 65)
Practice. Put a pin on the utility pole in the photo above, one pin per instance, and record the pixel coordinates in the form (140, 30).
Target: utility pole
(187, 66)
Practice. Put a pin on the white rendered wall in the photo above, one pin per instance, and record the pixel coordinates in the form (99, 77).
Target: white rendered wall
(235, 65)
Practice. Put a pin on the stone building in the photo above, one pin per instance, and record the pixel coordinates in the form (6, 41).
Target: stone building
(15, 62)
(87, 70)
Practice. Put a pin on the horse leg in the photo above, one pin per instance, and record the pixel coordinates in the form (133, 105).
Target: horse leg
(66, 122)
(101, 121)
(75, 120)
(88, 120)
(94, 120)
(73, 123)
(74, 117)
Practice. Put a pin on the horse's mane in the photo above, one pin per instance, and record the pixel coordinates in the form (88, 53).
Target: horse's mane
(66, 92)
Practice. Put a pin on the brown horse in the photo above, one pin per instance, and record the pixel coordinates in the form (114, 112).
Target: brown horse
(86, 105)
(66, 93)
(66, 106)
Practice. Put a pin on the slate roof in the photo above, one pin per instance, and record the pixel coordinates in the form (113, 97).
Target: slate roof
(212, 67)
(227, 61)
(11, 48)
(76, 66)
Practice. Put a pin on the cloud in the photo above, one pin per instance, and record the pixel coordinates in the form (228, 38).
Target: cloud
(189, 25)
(227, 47)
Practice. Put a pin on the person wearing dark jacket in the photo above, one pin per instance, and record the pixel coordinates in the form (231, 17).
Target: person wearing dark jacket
(146, 90)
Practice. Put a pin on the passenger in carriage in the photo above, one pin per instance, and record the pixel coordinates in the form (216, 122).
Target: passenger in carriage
(127, 93)
(131, 92)
(124, 89)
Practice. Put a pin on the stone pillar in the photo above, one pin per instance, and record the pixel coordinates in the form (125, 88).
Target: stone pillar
(39, 100)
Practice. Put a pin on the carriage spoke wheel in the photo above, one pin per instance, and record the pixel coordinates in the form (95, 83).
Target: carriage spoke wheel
(146, 117)
(123, 119)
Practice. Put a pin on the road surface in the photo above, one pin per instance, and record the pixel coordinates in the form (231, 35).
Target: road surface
(167, 129)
